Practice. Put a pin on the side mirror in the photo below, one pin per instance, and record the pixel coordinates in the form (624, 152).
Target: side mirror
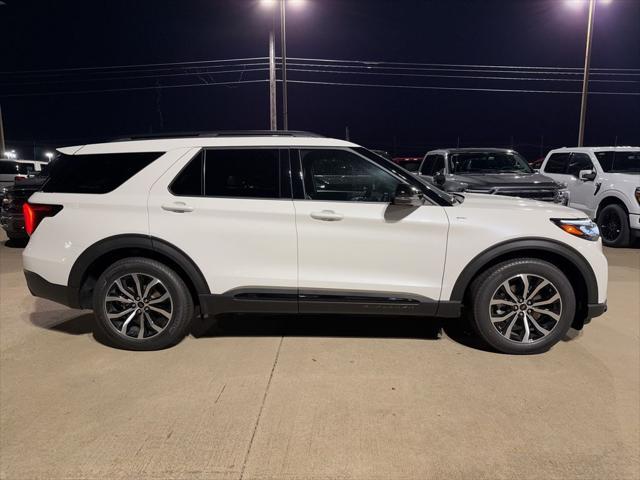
(439, 178)
(408, 196)
(587, 175)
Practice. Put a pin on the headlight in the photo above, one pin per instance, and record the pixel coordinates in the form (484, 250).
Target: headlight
(582, 228)
(562, 197)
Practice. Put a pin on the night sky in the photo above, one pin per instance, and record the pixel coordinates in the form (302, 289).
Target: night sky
(68, 34)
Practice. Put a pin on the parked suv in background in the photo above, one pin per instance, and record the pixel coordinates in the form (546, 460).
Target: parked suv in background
(143, 231)
(604, 182)
(11, 215)
(494, 171)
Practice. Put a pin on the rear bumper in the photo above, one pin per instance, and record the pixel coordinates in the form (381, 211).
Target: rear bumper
(14, 225)
(39, 287)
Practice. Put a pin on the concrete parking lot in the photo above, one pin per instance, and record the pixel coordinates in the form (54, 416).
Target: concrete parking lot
(316, 398)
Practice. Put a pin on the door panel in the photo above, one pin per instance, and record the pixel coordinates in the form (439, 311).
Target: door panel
(374, 247)
(236, 242)
(352, 239)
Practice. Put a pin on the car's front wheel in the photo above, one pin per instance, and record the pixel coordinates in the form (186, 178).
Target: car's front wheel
(613, 223)
(522, 306)
(141, 304)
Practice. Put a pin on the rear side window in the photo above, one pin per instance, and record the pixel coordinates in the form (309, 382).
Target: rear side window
(99, 173)
(557, 163)
(248, 173)
(579, 161)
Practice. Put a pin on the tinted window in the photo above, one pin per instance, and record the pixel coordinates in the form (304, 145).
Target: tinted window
(488, 162)
(9, 168)
(579, 161)
(189, 181)
(620, 162)
(340, 175)
(438, 165)
(557, 163)
(427, 165)
(252, 173)
(100, 173)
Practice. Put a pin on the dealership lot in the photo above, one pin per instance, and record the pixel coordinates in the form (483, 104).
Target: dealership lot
(275, 397)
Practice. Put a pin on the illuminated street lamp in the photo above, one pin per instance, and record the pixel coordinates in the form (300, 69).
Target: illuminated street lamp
(587, 61)
(11, 154)
(283, 37)
(49, 155)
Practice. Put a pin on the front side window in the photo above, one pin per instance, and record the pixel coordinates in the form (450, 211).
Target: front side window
(579, 161)
(340, 175)
(488, 162)
(619, 162)
(557, 163)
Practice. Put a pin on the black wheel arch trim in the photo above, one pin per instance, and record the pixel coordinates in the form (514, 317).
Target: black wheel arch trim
(144, 242)
(532, 243)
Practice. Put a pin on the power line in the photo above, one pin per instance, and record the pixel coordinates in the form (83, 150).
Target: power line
(71, 80)
(460, 70)
(378, 62)
(469, 89)
(133, 65)
(473, 77)
(154, 87)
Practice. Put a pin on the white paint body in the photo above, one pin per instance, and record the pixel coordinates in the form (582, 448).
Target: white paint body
(277, 243)
(587, 197)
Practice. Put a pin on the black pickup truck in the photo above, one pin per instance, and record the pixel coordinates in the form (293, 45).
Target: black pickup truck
(494, 171)
(11, 217)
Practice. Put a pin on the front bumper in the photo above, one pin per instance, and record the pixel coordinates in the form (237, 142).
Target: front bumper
(39, 287)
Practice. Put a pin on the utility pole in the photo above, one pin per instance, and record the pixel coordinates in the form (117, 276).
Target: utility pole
(272, 83)
(346, 133)
(2, 147)
(283, 39)
(585, 79)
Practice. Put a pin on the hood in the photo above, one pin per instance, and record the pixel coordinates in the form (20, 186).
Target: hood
(526, 206)
(492, 180)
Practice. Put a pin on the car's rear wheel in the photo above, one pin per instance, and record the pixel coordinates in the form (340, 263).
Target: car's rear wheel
(141, 304)
(613, 223)
(522, 306)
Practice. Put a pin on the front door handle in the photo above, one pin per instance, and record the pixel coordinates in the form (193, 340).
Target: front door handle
(179, 207)
(327, 216)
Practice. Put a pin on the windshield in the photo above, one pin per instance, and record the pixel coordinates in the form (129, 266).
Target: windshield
(439, 196)
(488, 162)
(619, 162)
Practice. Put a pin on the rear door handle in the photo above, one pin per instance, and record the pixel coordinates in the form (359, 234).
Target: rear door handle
(179, 207)
(327, 216)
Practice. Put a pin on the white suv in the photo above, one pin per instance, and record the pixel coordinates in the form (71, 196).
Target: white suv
(603, 182)
(143, 231)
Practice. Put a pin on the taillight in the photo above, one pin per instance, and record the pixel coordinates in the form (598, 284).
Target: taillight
(18, 179)
(34, 213)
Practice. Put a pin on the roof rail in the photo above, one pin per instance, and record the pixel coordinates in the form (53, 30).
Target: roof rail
(221, 133)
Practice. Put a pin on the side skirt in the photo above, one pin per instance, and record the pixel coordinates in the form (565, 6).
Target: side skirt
(319, 301)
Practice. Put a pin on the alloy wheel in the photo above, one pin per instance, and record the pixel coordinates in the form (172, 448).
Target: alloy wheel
(525, 308)
(610, 225)
(138, 306)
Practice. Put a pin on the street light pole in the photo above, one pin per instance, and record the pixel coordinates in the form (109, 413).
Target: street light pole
(585, 80)
(272, 83)
(283, 39)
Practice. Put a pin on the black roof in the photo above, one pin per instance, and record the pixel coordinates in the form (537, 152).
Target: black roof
(221, 133)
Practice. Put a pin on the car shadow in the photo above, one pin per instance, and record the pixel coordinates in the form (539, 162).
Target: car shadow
(457, 330)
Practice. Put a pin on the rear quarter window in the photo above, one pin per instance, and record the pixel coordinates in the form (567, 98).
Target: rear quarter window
(97, 173)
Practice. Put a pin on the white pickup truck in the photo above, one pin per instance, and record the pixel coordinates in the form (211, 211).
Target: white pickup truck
(603, 182)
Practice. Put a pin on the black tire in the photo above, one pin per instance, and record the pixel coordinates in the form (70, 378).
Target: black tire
(180, 306)
(488, 285)
(613, 222)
